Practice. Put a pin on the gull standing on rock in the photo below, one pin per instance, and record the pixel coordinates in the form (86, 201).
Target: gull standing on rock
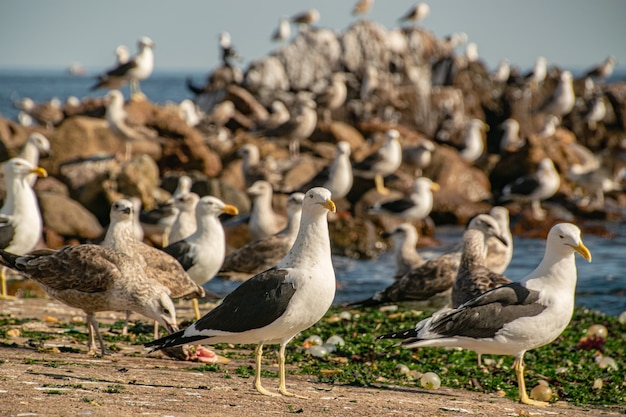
(20, 219)
(562, 100)
(283, 31)
(137, 69)
(337, 177)
(274, 306)
(416, 14)
(263, 221)
(473, 143)
(604, 70)
(516, 317)
(333, 96)
(415, 207)
(362, 7)
(385, 161)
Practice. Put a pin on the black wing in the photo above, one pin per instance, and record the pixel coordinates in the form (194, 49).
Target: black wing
(181, 251)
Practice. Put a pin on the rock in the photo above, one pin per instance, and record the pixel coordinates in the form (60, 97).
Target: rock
(68, 218)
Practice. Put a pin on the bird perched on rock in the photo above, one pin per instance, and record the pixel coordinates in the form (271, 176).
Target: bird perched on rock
(202, 253)
(473, 277)
(501, 74)
(416, 206)
(419, 156)
(137, 69)
(20, 219)
(157, 264)
(473, 143)
(510, 140)
(539, 72)
(306, 18)
(48, 114)
(540, 185)
(264, 221)
(228, 53)
(254, 169)
(274, 306)
(336, 177)
(261, 255)
(404, 238)
(604, 70)
(93, 279)
(562, 100)
(514, 318)
(332, 97)
(385, 161)
(416, 14)
(362, 7)
(283, 31)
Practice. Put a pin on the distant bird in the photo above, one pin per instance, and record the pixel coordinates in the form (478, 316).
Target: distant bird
(274, 306)
(597, 112)
(419, 156)
(474, 277)
(416, 14)
(228, 53)
(137, 69)
(533, 188)
(332, 97)
(253, 169)
(263, 254)
(20, 219)
(499, 254)
(385, 161)
(473, 142)
(511, 140)
(513, 318)
(417, 206)
(562, 100)
(158, 265)
(362, 7)
(47, 114)
(278, 116)
(471, 52)
(404, 238)
(539, 72)
(202, 253)
(118, 123)
(283, 31)
(501, 74)
(548, 130)
(185, 223)
(122, 54)
(306, 18)
(263, 221)
(36, 146)
(604, 70)
(93, 278)
(188, 112)
(336, 177)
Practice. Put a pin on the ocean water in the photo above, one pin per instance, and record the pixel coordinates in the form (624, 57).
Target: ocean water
(601, 283)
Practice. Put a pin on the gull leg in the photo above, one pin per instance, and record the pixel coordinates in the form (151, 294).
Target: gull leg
(135, 91)
(126, 320)
(196, 308)
(281, 372)
(379, 181)
(258, 353)
(156, 330)
(92, 325)
(3, 282)
(518, 365)
(538, 212)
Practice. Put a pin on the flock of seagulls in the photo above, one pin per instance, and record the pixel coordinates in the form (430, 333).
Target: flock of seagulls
(286, 268)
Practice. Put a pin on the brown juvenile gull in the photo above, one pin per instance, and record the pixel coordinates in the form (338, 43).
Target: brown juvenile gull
(306, 18)
(362, 7)
(274, 306)
(562, 100)
(157, 264)
(20, 220)
(260, 255)
(499, 253)
(404, 240)
(263, 221)
(416, 14)
(385, 161)
(533, 188)
(94, 278)
(473, 277)
(138, 68)
(516, 317)
(185, 223)
(119, 124)
(416, 206)
(202, 253)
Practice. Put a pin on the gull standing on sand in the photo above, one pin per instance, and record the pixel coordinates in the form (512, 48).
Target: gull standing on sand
(20, 220)
(385, 161)
(516, 317)
(137, 69)
(274, 306)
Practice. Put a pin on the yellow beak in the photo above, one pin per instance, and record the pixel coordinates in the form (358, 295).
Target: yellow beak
(41, 173)
(434, 186)
(232, 210)
(584, 252)
(330, 205)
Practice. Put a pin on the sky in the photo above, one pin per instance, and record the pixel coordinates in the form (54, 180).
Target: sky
(43, 34)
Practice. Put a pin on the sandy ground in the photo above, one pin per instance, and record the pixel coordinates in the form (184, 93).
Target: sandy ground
(35, 382)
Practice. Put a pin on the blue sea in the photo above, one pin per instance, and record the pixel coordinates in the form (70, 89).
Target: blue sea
(601, 283)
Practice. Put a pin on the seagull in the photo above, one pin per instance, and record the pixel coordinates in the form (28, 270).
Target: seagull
(516, 317)
(533, 188)
(158, 265)
(137, 69)
(202, 253)
(263, 254)
(385, 161)
(510, 140)
(499, 253)
(306, 18)
(562, 100)
(419, 156)
(473, 143)
(122, 54)
(274, 306)
(228, 52)
(333, 96)
(20, 219)
(94, 278)
(337, 177)
(416, 14)
(137, 229)
(185, 223)
(538, 74)
(48, 114)
(263, 221)
(189, 113)
(597, 113)
(604, 70)
(362, 7)
(473, 277)
(404, 240)
(37, 145)
(283, 31)
(549, 128)
(501, 74)
(253, 169)
(118, 123)
(415, 207)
